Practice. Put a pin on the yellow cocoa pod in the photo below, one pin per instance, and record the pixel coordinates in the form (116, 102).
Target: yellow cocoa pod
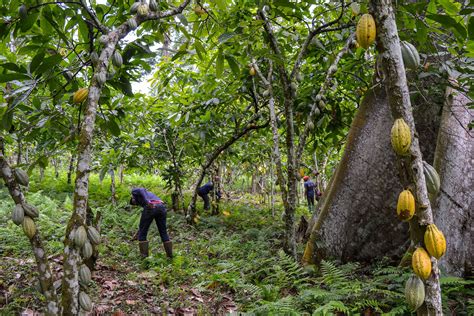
(301, 172)
(366, 31)
(29, 227)
(199, 10)
(252, 71)
(435, 242)
(421, 263)
(80, 95)
(405, 205)
(400, 137)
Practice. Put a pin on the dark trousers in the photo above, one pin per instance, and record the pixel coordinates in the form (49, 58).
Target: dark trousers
(158, 214)
(310, 199)
(205, 198)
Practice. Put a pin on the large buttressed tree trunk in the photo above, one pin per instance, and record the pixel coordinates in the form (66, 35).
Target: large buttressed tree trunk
(454, 207)
(358, 219)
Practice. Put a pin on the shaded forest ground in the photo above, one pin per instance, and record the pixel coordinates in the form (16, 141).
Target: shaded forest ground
(226, 263)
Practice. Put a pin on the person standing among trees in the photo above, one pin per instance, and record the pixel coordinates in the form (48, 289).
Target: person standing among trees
(153, 209)
(203, 192)
(310, 192)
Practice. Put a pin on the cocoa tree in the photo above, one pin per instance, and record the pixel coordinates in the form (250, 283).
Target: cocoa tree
(72, 299)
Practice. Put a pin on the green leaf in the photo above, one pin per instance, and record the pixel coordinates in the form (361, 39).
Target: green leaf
(46, 27)
(421, 32)
(48, 63)
(225, 37)
(466, 11)
(219, 64)
(450, 7)
(13, 67)
(470, 28)
(36, 61)
(201, 52)
(234, 66)
(449, 22)
(113, 127)
(7, 120)
(221, 4)
(183, 19)
(13, 76)
(178, 55)
(83, 30)
(28, 23)
(125, 86)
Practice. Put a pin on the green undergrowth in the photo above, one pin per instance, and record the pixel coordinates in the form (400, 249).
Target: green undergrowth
(235, 257)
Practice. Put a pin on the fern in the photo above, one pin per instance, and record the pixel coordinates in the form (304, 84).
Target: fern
(284, 306)
(454, 281)
(332, 306)
(332, 274)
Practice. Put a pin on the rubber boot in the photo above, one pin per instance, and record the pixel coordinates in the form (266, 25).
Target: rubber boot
(168, 248)
(143, 245)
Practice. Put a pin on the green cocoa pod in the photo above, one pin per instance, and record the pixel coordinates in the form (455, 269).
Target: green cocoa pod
(87, 250)
(29, 227)
(132, 23)
(94, 58)
(85, 275)
(93, 235)
(21, 177)
(30, 210)
(433, 182)
(85, 302)
(18, 214)
(152, 5)
(411, 58)
(414, 292)
(101, 78)
(134, 7)
(23, 12)
(80, 236)
(117, 59)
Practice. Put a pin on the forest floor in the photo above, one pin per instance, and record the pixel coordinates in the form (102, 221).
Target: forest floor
(228, 263)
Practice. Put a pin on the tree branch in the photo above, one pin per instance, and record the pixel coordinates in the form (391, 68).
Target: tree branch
(329, 77)
(102, 28)
(308, 40)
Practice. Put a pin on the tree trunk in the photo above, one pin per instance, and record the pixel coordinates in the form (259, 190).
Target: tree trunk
(121, 169)
(71, 168)
(395, 82)
(358, 219)
(454, 208)
(56, 168)
(18, 157)
(113, 195)
(45, 276)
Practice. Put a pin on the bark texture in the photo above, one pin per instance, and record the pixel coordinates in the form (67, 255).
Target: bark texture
(454, 206)
(358, 208)
(45, 276)
(395, 83)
